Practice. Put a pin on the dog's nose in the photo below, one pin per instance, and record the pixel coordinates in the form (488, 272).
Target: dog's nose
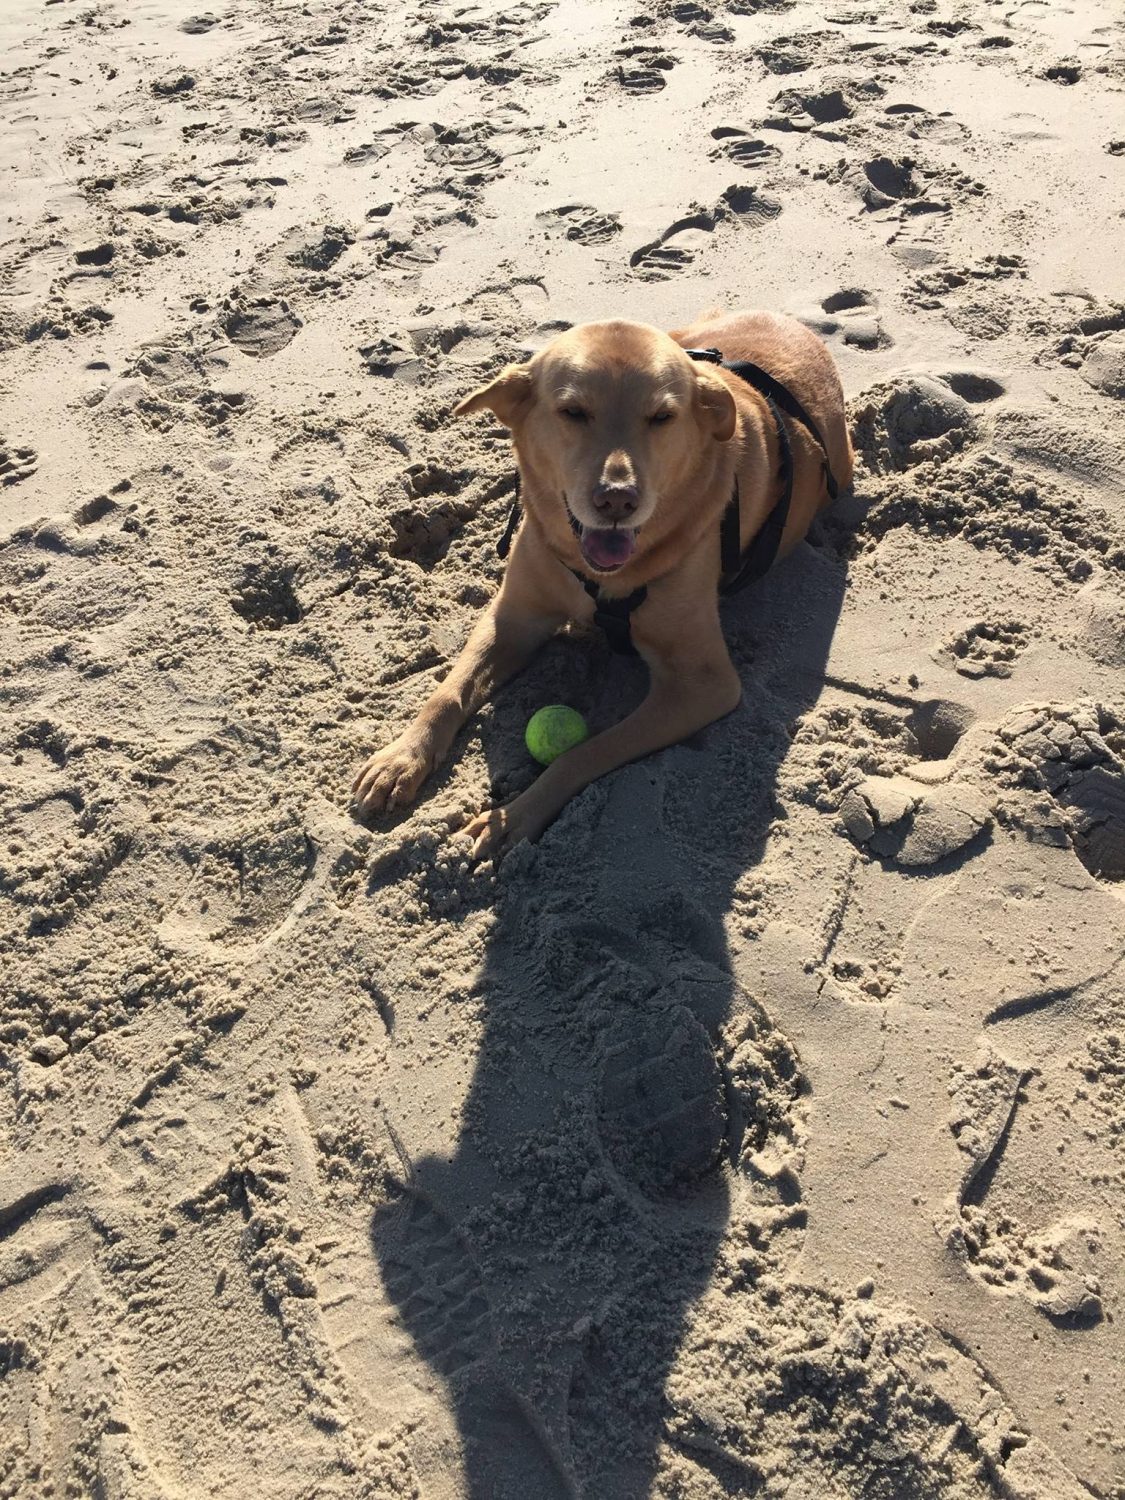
(616, 502)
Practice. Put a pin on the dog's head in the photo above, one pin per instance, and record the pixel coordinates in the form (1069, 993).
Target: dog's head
(610, 421)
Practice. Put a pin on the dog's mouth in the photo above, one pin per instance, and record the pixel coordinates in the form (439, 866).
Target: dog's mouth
(605, 548)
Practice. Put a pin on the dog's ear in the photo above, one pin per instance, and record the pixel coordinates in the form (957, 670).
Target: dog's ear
(510, 395)
(715, 404)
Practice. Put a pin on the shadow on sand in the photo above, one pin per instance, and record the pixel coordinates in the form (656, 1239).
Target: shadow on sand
(546, 1270)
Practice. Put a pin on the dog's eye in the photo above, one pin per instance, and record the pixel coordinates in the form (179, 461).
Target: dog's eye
(572, 413)
(659, 418)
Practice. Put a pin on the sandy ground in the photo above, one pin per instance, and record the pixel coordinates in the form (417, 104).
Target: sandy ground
(761, 1132)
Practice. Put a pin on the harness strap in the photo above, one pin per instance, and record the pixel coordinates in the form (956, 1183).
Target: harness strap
(504, 545)
(612, 615)
(740, 569)
(780, 395)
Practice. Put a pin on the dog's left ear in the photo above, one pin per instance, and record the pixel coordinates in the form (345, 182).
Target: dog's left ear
(509, 396)
(715, 403)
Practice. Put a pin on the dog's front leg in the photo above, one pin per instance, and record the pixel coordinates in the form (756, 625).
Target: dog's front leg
(688, 692)
(504, 639)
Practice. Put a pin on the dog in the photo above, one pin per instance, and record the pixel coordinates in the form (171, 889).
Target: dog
(648, 476)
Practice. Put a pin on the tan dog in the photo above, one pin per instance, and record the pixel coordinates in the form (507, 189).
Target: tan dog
(628, 452)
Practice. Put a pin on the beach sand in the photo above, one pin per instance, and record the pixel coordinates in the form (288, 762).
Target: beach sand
(761, 1131)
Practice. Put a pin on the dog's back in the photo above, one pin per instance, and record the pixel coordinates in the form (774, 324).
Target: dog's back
(792, 354)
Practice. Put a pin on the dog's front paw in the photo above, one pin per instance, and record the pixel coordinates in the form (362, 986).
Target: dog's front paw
(489, 834)
(495, 832)
(391, 777)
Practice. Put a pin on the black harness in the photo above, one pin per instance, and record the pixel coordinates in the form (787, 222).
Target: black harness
(612, 615)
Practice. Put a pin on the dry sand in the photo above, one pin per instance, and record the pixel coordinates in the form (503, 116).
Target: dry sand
(760, 1132)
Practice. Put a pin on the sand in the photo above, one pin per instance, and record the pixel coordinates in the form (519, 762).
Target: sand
(760, 1131)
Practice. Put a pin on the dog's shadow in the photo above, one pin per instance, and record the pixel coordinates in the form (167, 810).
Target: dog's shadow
(546, 1269)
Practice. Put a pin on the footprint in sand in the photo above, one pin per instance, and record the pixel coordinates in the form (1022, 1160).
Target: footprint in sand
(986, 648)
(886, 180)
(677, 246)
(709, 30)
(58, 856)
(432, 1279)
(324, 111)
(16, 462)
(467, 332)
(367, 151)
(407, 79)
(312, 467)
(37, 1228)
(739, 146)
(402, 249)
(392, 357)
(1077, 754)
(207, 198)
(800, 110)
(936, 287)
(747, 207)
(580, 222)
(243, 886)
(316, 249)
(902, 186)
(662, 1116)
(852, 314)
(642, 69)
(178, 385)
(1102, 636)
(465, 150)
(510, 302)
(267, 597)
(79, 598)
(981, 320)
(100, 506)
(936, 727)
(448, 203)
(1055, 1270)
(920, 124)
(1062, 72)
(796, 54)
(257, 322)
(442, 1302)
(423, 532)
(658, 262)
(1095, 346)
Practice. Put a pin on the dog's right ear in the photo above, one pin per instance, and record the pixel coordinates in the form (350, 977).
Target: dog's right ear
(715, 403)
(510, 396)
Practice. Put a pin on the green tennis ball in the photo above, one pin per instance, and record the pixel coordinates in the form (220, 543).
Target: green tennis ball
(554, 730)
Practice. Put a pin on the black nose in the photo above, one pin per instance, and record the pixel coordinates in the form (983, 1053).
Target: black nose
(615, 501)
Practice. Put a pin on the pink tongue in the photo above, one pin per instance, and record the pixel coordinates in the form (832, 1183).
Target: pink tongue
(608, 549)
